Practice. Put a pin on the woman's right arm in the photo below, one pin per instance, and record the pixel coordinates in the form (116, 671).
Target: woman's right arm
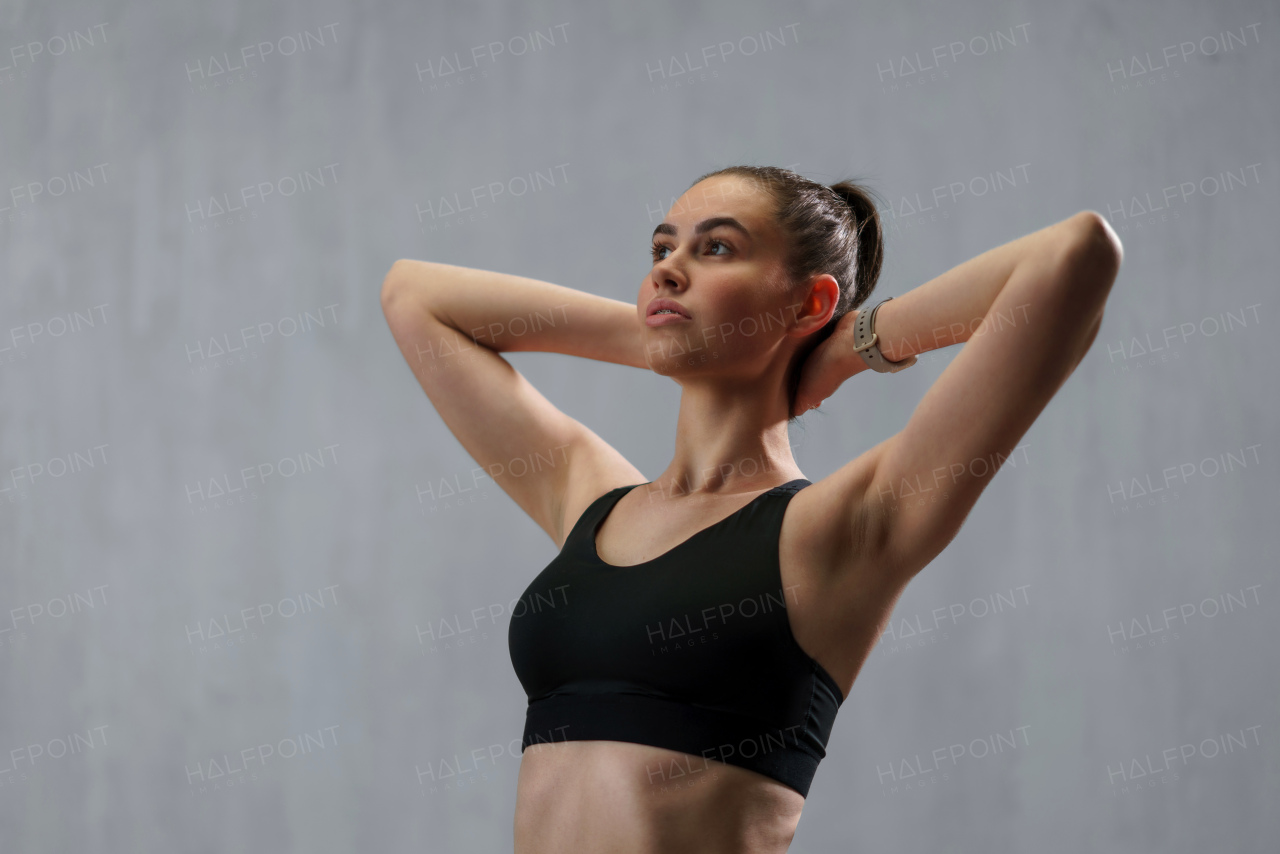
(513, 313)
(452, 322)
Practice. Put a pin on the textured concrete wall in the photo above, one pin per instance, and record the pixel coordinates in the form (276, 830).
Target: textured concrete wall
(228, 555)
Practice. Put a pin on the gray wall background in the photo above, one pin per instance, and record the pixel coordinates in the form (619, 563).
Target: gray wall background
(1097, 626)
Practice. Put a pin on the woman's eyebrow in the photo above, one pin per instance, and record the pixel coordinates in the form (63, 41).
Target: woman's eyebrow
(704, 226)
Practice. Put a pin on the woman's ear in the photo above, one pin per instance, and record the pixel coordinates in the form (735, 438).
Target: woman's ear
(819, 304)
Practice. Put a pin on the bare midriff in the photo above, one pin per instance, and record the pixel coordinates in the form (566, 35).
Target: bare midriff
(597, 796)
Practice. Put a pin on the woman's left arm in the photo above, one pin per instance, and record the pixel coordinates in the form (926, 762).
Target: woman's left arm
(1028, 310)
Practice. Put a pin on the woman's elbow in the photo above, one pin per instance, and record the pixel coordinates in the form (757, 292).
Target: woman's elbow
(1099, 238)
(1090, 261)
(402, 274)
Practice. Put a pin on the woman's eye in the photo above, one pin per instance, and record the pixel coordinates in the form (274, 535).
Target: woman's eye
(658, 247)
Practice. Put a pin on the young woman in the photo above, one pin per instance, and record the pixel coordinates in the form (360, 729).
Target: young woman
(687, 650)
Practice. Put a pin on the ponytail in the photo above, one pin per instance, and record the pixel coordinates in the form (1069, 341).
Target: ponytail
(870, 238)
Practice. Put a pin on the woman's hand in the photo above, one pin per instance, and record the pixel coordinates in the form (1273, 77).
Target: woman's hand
(828, 366)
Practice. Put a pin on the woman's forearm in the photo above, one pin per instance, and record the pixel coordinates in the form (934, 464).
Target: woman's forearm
(508, 313)
(948, 309)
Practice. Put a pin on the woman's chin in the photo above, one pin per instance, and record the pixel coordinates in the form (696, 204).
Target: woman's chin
(689, 365)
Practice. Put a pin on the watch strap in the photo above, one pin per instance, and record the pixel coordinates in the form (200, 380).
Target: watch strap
(867, 343)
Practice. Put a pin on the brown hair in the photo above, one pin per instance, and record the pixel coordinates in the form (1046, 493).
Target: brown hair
(833, 230)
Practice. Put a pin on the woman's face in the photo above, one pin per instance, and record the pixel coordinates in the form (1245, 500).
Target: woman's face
(719, 257)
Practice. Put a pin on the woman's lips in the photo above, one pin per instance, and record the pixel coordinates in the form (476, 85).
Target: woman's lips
(673, 310)
(662, 319)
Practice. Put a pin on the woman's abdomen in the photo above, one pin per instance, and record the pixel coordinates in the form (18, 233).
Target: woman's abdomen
(610, 795)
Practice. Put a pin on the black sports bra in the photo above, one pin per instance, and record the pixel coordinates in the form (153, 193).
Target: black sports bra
(691, 651)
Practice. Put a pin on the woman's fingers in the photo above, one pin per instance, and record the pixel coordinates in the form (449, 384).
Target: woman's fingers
(820, 376)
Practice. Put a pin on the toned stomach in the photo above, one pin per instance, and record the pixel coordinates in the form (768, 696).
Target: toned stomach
(624, 798)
